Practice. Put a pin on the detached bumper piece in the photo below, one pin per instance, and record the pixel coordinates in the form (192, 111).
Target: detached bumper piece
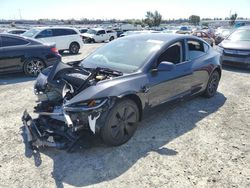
(46, 132)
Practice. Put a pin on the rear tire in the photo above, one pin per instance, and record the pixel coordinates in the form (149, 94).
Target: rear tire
(121, 123)
(33, 66)
(74, 48)
(111, 38)
(212, 84)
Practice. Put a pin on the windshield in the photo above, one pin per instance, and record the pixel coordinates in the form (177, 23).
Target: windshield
(240, 35)
(31, 33)
(125, 55)
(91, 31)
(225, 33)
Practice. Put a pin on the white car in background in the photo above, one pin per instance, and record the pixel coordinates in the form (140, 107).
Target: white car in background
(65, 38)
(99, 35)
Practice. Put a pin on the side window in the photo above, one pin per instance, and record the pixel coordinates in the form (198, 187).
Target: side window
(58, 32)
(83, 30)
(70, 32)
(101, 32)
(9, 41)
(45, 33)
(195, 49)
(173, 54)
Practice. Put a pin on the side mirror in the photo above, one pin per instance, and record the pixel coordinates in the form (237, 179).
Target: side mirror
(164, 66)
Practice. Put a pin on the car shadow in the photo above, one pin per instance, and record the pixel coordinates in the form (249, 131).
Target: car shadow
(14, 78)
(100, 163)
(236, 69)
(67, 54)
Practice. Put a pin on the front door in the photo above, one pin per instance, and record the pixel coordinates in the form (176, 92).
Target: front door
(176, 83)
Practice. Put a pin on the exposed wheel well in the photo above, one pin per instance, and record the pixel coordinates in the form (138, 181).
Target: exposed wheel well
(138, 102)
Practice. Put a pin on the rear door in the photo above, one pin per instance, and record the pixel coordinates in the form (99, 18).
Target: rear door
(12, 53)
(169, 85)
(197, 53)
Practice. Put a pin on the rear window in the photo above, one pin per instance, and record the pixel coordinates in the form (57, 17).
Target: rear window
(9, 41)
(83, 30)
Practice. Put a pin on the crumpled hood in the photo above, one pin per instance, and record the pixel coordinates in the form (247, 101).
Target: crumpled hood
(88, 35)
(237, 45)
(119, 86)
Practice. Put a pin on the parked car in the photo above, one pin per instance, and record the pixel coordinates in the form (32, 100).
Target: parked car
(65, 38)
(119, 32)
(109, 91)
(221, 35)
(20, 54)
(128, 33)
(171, 30)
(99, 35)
(83, 30)
(17, 31)
(184, 30)
(204, 36)
(235, 49)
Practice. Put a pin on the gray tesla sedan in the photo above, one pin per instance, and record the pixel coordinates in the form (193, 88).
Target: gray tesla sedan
(235, 49)
(109, 91)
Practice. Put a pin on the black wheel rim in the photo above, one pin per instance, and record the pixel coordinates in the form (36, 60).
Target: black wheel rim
(213, 84)
(74, 48)
(122, 123)
(34, 67)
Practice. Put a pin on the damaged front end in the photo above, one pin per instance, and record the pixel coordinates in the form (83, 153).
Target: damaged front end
(62, 115)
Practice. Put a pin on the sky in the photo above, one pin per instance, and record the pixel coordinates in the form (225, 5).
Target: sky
(117, 9)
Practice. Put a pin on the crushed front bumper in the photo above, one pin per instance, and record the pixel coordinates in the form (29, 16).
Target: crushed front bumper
(39, 133)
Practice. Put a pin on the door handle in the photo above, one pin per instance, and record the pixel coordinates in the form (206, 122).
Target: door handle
(145, 89)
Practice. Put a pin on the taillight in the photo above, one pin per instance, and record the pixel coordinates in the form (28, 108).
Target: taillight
(54, 50)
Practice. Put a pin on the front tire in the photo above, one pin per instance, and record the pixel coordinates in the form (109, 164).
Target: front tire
(33, 66)
(121, 123)
(74, 48)
(212, 84)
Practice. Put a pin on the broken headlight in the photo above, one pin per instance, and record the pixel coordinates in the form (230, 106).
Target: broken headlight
(91, 104)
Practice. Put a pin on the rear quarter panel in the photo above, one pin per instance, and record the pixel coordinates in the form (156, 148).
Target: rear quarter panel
(203, 67)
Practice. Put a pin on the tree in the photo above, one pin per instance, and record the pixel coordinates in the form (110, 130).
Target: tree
(233, 17)
(153, 19)
(194, 19)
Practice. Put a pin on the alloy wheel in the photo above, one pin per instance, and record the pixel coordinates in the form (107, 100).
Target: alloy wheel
(34, 67)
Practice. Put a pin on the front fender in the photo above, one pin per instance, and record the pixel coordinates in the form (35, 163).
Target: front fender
(118, 87)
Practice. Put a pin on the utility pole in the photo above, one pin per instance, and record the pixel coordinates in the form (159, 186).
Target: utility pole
(20, 14)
